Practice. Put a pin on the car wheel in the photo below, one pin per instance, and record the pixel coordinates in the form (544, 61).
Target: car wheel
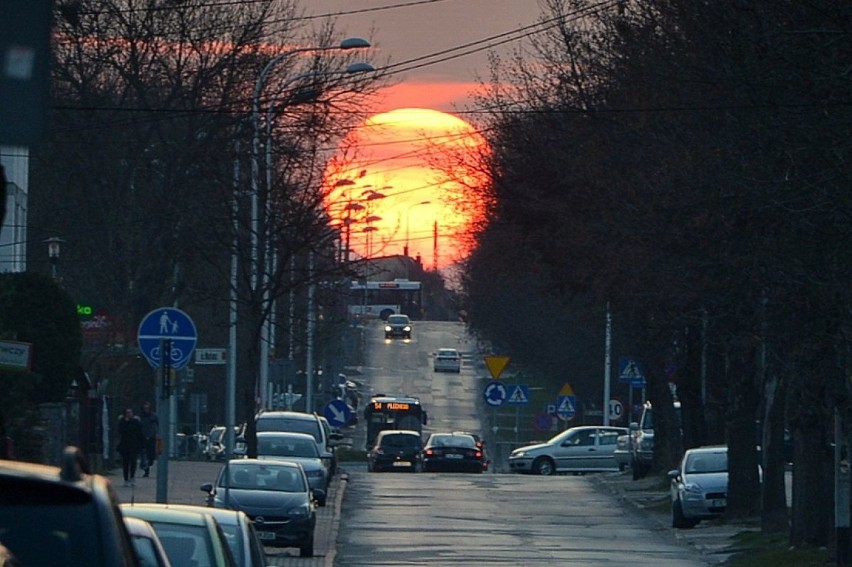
(543, 466)
(321, 503)
(307, 550)
(679, 521)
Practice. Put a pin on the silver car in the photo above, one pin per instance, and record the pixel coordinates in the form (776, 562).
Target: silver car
(300, 448)
(699, 486)
(587, 448)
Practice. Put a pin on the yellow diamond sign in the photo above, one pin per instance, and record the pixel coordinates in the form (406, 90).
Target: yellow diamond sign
(496, 365)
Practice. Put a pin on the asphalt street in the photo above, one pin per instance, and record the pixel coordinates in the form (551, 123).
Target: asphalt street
(711, 539)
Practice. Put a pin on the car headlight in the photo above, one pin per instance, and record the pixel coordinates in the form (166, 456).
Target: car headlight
(693, 489)
(299, 512)
(315, 474)
(388, 328)
(407, 329)
(518, 453)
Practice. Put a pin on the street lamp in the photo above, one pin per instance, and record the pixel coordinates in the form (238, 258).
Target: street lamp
(268, 331)
(407, 222)
(54, 244)
(346, 44)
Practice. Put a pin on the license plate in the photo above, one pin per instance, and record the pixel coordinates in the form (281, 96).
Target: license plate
(402, 463)
(717, 503)
(266, 535)
(454, 456)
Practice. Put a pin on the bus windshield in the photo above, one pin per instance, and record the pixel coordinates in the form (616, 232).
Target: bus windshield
(393, 412)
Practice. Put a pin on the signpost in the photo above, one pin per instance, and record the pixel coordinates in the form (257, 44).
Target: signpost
(338, 413)
(167, 339)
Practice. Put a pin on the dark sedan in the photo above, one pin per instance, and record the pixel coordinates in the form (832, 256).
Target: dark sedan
(395, 450)
(277, 497)
(452, 452)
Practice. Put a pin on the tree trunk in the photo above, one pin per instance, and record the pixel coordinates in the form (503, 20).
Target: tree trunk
(811, 523)
(774, 514)
(743, 472)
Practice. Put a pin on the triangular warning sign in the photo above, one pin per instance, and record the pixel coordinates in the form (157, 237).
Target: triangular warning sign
(518, 396)
(496, 365)
(566, 406)
(631, 371)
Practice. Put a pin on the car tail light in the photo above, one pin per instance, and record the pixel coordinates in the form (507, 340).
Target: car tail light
(479, 454)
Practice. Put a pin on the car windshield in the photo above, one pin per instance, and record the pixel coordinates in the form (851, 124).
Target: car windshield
(264, 477)
(398, 319)
(706, 462)
(448, 354)
(185, 545)
(400, 441)
(309, 426)
(287, 447)
(452, 441)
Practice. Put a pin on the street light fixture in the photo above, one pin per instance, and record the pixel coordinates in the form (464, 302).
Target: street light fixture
(54, 244)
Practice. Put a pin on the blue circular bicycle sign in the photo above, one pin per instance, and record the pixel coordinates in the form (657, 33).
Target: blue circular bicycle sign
(171, 324)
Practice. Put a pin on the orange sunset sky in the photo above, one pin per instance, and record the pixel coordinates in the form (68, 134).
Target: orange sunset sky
(437, 50)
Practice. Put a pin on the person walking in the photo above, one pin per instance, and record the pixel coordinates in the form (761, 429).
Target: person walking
(130, 443)
(150, 428)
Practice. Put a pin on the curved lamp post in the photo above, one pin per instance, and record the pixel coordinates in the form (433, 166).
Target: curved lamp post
(346, 44)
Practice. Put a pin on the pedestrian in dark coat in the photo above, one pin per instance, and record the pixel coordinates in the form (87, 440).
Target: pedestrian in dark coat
(150, 427)
(130, 444)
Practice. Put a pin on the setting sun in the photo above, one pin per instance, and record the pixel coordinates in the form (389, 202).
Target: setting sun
(401, 187)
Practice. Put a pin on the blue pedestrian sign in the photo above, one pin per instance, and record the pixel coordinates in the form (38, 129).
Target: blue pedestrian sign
(338, 413)
(566, 407)
(167, 323)
(631, 371)
(519, 395)
(495, 393)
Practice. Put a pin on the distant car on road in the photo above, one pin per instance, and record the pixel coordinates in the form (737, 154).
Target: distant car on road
(699, 486)
(586, 448)
(276, 496)
(398, 326)
(395, 450)
(452, 452)
(447, 360)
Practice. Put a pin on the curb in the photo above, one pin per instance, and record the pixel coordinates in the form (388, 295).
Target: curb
(343, 481)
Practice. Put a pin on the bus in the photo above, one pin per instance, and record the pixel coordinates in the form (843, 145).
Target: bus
(393, 412)
(382, 298)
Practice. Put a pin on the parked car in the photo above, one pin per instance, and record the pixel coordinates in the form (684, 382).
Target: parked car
(586, 448)
(190, 535)
(146, 543)
(394, 450)
(622, 451)
(43, 509)
(276, 496)
(699, 486)
(453, 452)
(480, 442)
(447, 360)
(300, 422)
(300, 448)
(398, 326)
(240, 534)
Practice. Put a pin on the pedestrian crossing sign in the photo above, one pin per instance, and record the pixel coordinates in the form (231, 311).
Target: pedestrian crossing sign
(519, 395)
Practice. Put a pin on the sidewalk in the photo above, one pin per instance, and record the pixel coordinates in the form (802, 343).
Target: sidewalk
(711, 538)
(183, 487)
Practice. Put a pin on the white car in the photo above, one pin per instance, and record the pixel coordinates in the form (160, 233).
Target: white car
(699, 486)
(586, 448)
(447, 360)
